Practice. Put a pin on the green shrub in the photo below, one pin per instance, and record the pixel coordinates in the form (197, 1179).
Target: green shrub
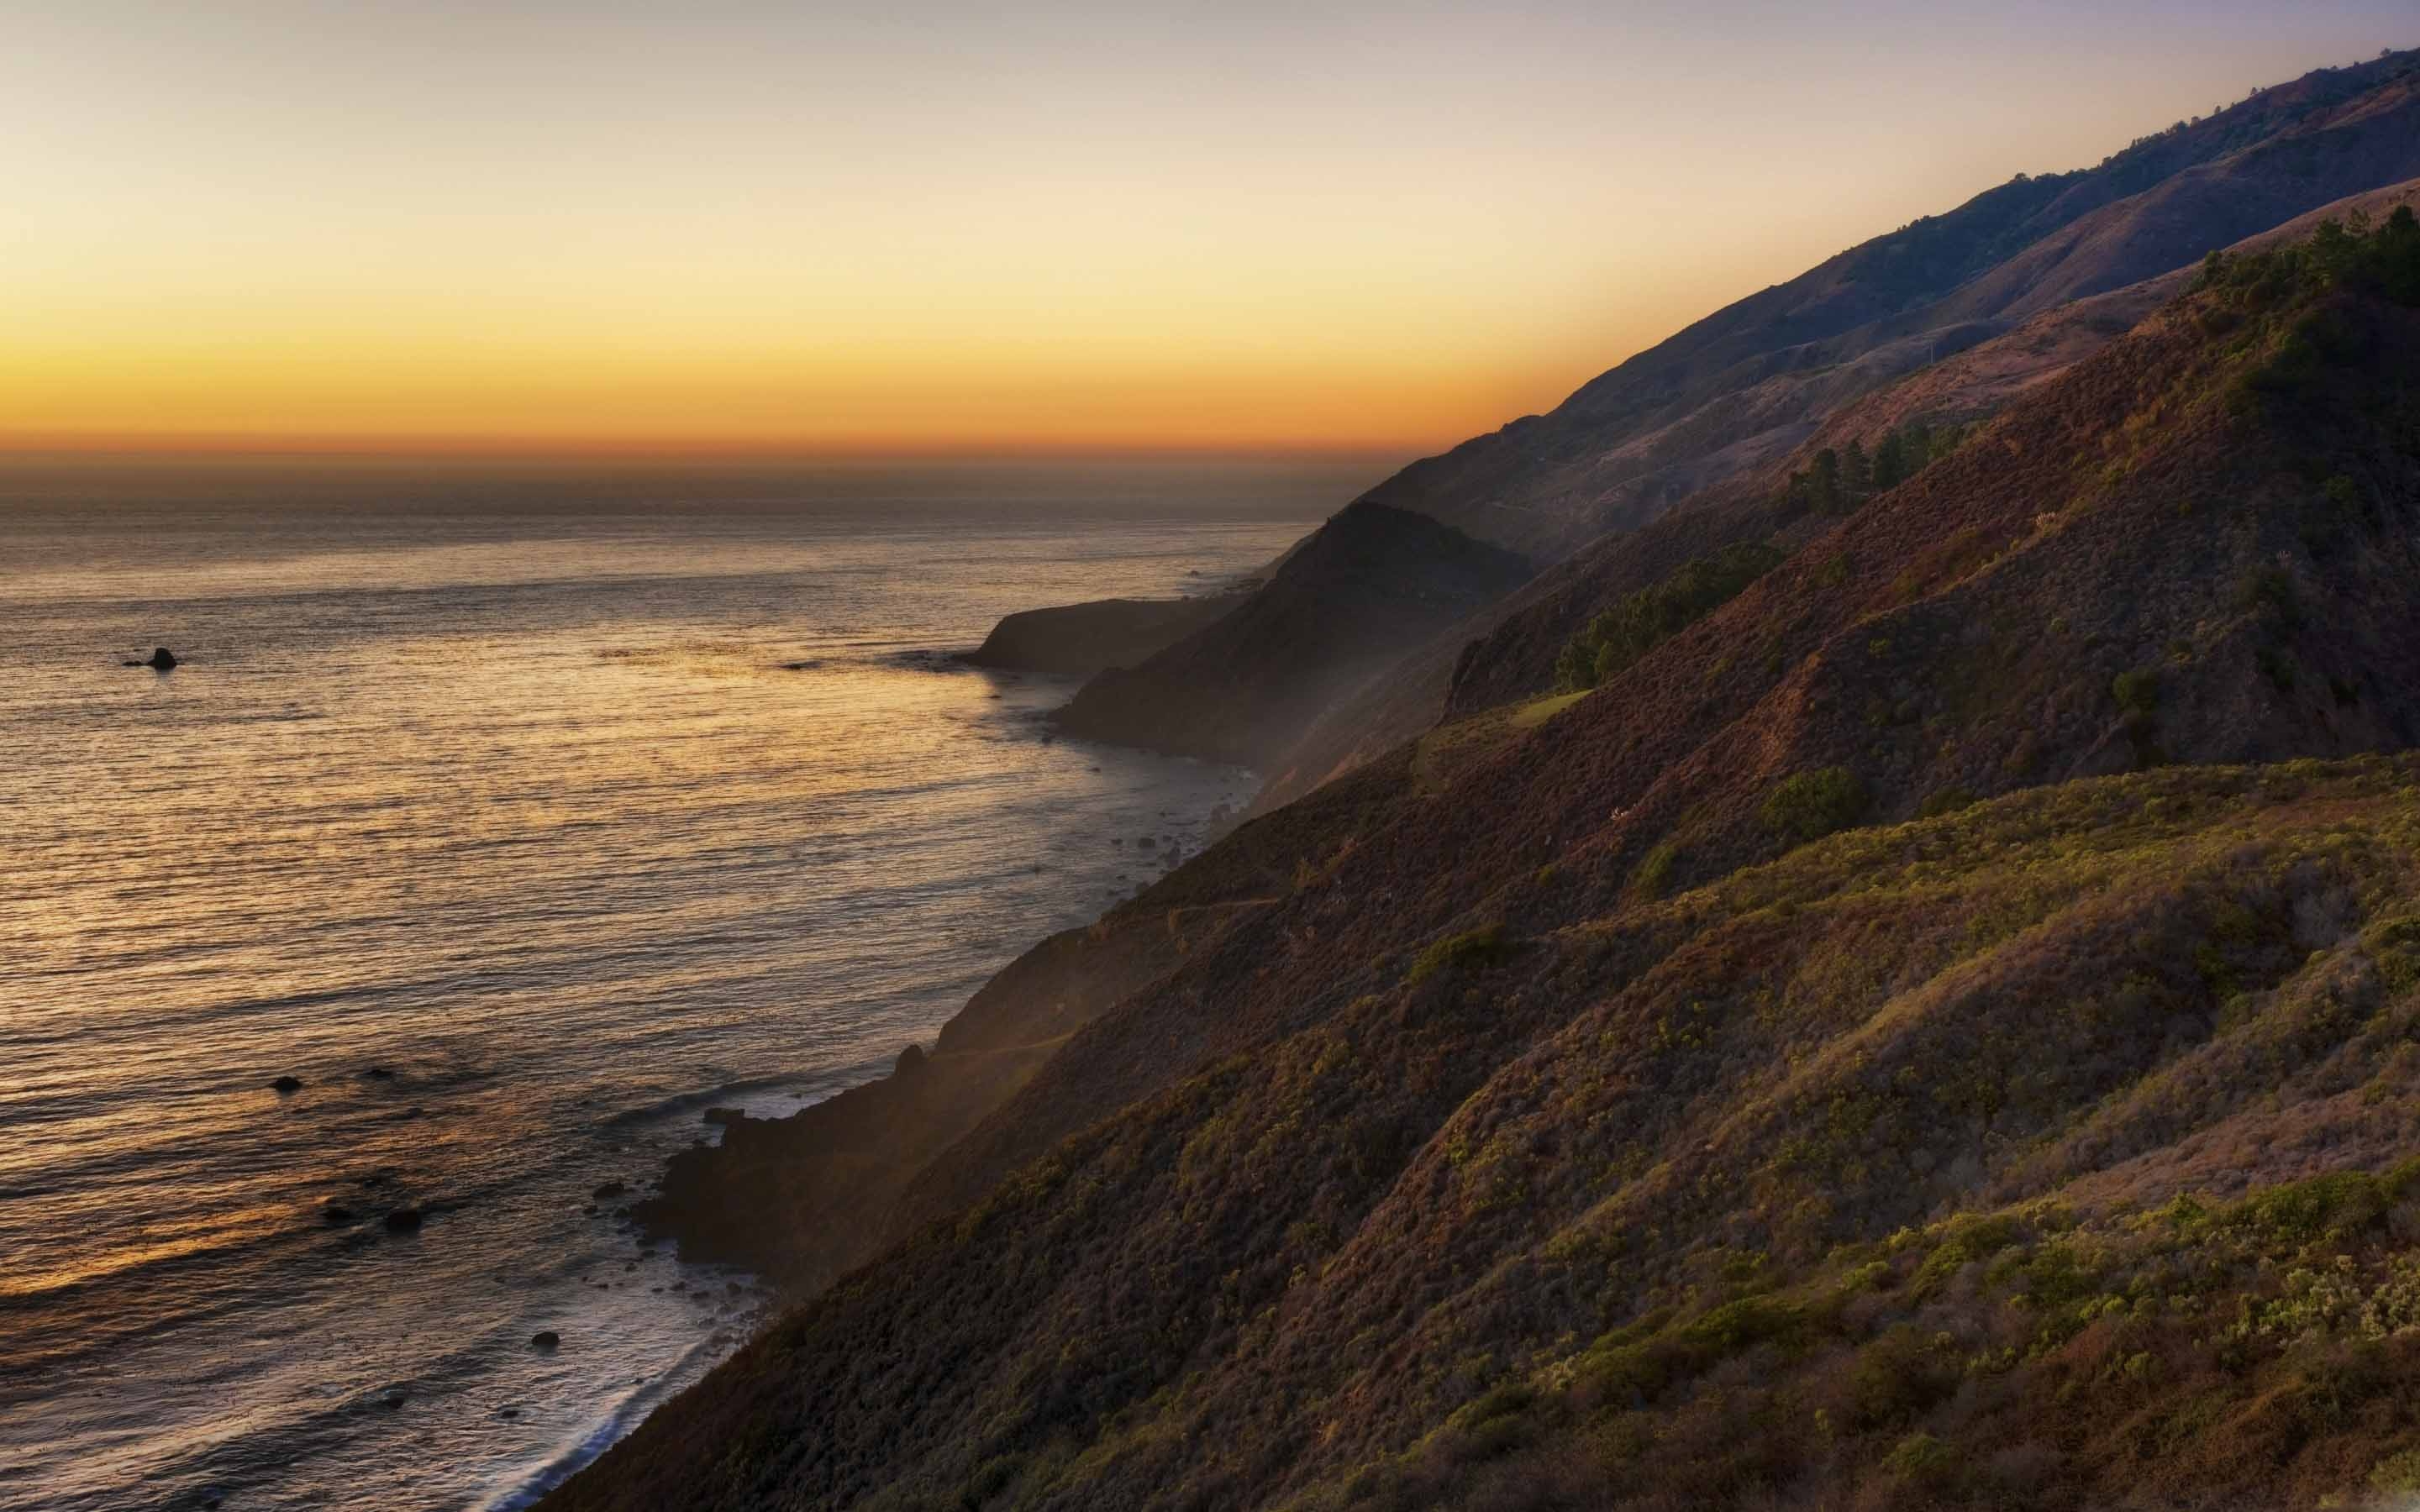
(1655, 870)
(1947, 800)
(1815, 804)
(2398, 1474)
(2137, 692)
(1644, 620)
(1473, 949)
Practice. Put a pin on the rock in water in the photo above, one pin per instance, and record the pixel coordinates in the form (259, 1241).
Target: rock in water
(404, 1221)
(160, 659)
(545, 1338)
(911, 1060)
(288, 1084)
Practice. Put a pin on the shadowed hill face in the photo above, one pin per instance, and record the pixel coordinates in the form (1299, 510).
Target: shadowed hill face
(1366, 587)
(1550, 1137)
(1747, 384)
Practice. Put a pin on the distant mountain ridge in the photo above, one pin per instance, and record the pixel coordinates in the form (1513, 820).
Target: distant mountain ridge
(1749, 382)
(2021, 281)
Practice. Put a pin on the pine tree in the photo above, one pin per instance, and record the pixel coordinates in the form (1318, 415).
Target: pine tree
(1890, 461)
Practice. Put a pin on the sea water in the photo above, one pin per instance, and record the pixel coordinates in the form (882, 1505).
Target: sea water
(521, 814)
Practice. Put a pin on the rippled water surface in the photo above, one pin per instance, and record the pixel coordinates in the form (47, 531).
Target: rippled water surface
(522, 816)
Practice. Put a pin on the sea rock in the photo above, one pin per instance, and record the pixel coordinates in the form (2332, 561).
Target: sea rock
(405, 1221)
(545, 1338)
(288, 1084)
(610, 1190)
(161, 660)
(910, 1061)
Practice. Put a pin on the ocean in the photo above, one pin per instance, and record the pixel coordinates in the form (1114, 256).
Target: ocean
(521, 814)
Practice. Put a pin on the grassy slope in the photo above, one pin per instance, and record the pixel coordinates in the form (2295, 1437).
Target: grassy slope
(1876, 1142)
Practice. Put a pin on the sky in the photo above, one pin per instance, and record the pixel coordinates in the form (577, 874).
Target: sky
(736, 225)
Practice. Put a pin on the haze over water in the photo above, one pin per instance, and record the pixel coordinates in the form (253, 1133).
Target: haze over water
(522, 816)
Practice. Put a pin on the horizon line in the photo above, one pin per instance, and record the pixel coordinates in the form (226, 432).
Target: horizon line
(102, 449)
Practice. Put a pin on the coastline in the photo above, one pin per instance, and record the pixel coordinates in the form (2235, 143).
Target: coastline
(801, 1199)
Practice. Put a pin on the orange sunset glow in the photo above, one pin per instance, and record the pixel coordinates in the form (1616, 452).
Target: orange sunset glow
(309, 226)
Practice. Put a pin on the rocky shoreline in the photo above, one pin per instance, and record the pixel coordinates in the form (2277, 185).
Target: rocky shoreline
(801, 1199)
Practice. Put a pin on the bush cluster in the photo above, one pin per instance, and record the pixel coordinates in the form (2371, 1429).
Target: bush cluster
(1815, 804)
(1644, 620)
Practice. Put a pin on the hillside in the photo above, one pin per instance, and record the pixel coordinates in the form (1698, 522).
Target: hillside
(1509, 654)
(1367, 585)
(1948, 318)
(1080, 640)
(1881, 1047)
(1745, 385)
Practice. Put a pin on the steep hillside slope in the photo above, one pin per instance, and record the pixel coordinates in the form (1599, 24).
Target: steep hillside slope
(1581, 1126)
(1750, 382)
(1714, 1199)
(1517, 648)
(1977, 305)
(1367, 585)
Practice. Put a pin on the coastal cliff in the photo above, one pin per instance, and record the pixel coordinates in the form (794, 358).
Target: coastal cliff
(1080, 639)
(1366, 587)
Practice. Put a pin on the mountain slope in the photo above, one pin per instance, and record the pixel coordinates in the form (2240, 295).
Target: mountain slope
(1748, 382)
(1515, 657)
(2022, 282)
(1548, 1141)
(1350, 599)
(1445, 1244)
